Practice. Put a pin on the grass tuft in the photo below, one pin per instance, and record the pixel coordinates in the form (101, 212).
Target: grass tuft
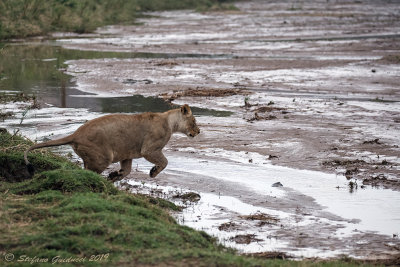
(66, 181)
(24, 18)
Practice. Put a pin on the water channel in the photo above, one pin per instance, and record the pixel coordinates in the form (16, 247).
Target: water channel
(38, 69)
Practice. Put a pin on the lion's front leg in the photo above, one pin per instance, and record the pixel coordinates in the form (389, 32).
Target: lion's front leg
(159, 160)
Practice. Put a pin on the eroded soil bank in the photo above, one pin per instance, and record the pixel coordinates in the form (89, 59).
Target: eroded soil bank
(312, 147)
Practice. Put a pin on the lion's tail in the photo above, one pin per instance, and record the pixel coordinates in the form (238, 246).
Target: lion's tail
(58, 142)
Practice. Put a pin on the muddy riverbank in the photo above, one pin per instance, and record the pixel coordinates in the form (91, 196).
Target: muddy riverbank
(311, 140)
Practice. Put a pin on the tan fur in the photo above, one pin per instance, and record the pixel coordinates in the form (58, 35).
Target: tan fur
(123, 137)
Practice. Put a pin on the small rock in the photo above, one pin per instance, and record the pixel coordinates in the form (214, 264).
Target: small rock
(277, 184)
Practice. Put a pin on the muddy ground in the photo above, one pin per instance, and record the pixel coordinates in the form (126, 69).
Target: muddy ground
(314, 91)
(328, 71)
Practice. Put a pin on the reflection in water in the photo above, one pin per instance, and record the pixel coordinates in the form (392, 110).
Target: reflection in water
(63, 94)
(37, 69)
(133, 104)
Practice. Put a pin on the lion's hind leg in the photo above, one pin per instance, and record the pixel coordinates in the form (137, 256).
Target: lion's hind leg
(93, 158)
(126, 167)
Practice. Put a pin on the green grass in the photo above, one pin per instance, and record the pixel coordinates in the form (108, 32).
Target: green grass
(68, 214)
(125, 229)
(12, 164)
(65, 181)
(22, 18)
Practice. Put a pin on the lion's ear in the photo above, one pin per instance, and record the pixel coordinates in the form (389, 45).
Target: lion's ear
(185, 109)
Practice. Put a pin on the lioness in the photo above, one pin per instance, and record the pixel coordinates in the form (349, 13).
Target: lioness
(123, 137)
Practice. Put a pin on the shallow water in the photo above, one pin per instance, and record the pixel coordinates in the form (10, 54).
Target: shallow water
(38, 69)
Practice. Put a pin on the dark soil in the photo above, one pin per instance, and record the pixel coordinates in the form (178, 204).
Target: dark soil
(190, 196)
(229, 226)
(262, 217)
(245, 239)
(270, 255)
(203, 92)
(20, 97)
(257, 117)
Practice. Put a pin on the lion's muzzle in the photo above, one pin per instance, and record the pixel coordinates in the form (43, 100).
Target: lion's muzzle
(194, 132)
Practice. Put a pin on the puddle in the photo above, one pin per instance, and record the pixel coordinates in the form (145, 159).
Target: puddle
(39, 70)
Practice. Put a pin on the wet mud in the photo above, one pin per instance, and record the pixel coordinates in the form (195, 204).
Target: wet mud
(202, 92)
(311, 91)
(271, 255)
